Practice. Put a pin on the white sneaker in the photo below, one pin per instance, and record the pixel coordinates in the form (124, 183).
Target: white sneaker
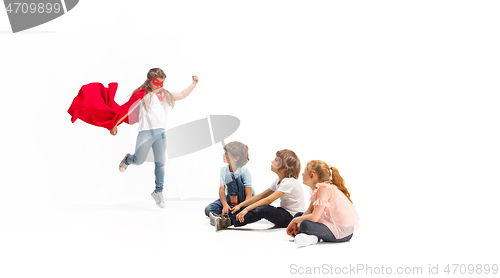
(158, 197)
(221, 222)
(305, 239)
(123, 166)
(213, 218)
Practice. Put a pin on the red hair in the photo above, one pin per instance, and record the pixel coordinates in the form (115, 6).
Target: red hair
(329, 174)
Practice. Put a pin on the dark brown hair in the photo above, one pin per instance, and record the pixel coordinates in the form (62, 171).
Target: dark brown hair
(239, 149)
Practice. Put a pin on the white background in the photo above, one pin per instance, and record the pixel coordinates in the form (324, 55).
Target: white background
(400, 96)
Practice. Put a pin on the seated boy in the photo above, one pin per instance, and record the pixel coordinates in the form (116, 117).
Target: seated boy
(235, 180)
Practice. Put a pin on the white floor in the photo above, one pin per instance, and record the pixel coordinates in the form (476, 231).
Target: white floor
(141, 240)
(138, 239)
(401, 96)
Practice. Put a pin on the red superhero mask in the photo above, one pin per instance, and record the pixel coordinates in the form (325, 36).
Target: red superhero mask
(157, 82)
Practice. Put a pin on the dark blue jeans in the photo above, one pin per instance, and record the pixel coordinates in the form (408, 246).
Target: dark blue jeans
(276, 215)
(320, 230)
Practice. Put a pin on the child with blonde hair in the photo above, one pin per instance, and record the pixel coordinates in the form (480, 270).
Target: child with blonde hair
(151, 111)
(331, 217)
(147, 105)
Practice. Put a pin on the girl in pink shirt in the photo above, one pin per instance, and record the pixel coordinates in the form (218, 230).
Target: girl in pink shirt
(331, 217)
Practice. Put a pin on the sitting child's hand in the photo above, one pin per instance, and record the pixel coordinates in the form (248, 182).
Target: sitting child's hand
(292, 229)
(225, 209)
(235, 209)
(241, 216)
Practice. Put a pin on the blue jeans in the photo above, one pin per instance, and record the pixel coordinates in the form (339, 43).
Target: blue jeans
(276, 215)
(234, 187)
(320, 230)
(147, 139)
(216, 206)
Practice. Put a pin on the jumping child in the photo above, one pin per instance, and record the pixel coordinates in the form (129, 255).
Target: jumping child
(153, 110)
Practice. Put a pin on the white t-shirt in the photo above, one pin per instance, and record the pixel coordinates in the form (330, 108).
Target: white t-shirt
(156, 116)
(293, 200)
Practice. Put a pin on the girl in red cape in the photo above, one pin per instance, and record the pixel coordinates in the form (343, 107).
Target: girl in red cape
(148, 105)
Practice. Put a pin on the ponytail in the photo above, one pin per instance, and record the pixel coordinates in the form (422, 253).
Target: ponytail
(328, 173)
(339, 182)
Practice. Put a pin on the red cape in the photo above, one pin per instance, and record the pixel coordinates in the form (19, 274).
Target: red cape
(95, 104)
